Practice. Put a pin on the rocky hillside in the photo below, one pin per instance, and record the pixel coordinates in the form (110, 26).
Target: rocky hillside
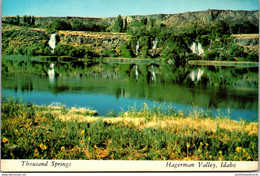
(97, 41)
(147, 36)
(17, 37)
(207, 16)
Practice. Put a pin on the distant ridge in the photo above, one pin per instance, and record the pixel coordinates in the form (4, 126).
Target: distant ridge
(163, 14)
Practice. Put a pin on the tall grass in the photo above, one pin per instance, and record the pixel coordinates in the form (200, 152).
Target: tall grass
(33, 132)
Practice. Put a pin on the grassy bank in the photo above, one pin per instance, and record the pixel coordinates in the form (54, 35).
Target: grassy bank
(224, 63)
(48, 132)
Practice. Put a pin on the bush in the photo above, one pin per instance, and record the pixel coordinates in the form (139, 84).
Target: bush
(78, 26)
(60, 25)
(125, 51)
(236, 51)
(110, 53)
(254, 57)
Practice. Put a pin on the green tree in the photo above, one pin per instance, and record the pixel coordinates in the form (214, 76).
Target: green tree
(78, 26)
(125, 51)
(119, 24)
(152, 22)
(25, 19)
(125, 29)
(221, 28)
(29, 20)
(33, 20)
(17, 20)
(144, 21)
(61, 25)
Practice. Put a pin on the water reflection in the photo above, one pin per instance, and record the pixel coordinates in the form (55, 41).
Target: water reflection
(124, 84)
(51, 74)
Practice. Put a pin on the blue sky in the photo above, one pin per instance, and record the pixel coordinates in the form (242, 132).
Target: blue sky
(110, 8)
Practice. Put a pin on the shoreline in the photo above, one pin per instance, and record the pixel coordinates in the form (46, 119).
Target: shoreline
(136, 60)
(223, 63)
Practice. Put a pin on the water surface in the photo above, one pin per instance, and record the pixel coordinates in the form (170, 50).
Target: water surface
(103, 86)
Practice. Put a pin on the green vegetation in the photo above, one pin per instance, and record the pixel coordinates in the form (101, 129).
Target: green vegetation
(33, 132)
(173, 38)
(23, 21)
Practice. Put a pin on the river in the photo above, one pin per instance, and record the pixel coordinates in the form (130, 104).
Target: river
(104, 86)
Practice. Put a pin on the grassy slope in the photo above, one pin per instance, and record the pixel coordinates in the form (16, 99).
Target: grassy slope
(30, 131)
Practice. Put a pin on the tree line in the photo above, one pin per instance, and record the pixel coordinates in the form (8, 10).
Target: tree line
(22, 21)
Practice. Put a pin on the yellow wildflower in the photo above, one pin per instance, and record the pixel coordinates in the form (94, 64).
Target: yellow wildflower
(238, 149)
(16, 131)
(186, 159)
(187, 144)
(244, 151)
(36, 153)
(95, 146)
(62, 149)
(44, 147)
(235, 157)
(4, 140)
(206, 144)
(82, 132)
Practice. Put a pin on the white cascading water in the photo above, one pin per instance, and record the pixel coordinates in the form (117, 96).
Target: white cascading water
(137, 47)
(51, 74)
(52, 42)
(196, 75)
(200, 49)
(199, 74)
(154, 44)
(196, 48)
(153, 78)
(136, 72)
(192, 75)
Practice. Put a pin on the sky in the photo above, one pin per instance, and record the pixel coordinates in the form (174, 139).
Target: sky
(112, 8)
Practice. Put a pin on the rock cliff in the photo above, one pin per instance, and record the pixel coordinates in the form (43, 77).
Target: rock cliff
(98, 41)
(207, 16)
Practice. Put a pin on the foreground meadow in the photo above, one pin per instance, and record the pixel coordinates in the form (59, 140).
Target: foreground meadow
(56, 132)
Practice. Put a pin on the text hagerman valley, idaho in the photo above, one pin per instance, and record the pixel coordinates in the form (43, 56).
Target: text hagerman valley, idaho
(201, 165)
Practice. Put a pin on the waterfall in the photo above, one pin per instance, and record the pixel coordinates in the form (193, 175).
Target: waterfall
(196, 75)
(199, 74)
(153, 75)
(192, 75)
(154, 44)
(200, 49)
(196, 48)
(136, 72)
(52, 42)
(137, 47)
(51, 74)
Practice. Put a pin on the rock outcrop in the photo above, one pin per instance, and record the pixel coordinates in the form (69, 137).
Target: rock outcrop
(246, 39)
(97, 41)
